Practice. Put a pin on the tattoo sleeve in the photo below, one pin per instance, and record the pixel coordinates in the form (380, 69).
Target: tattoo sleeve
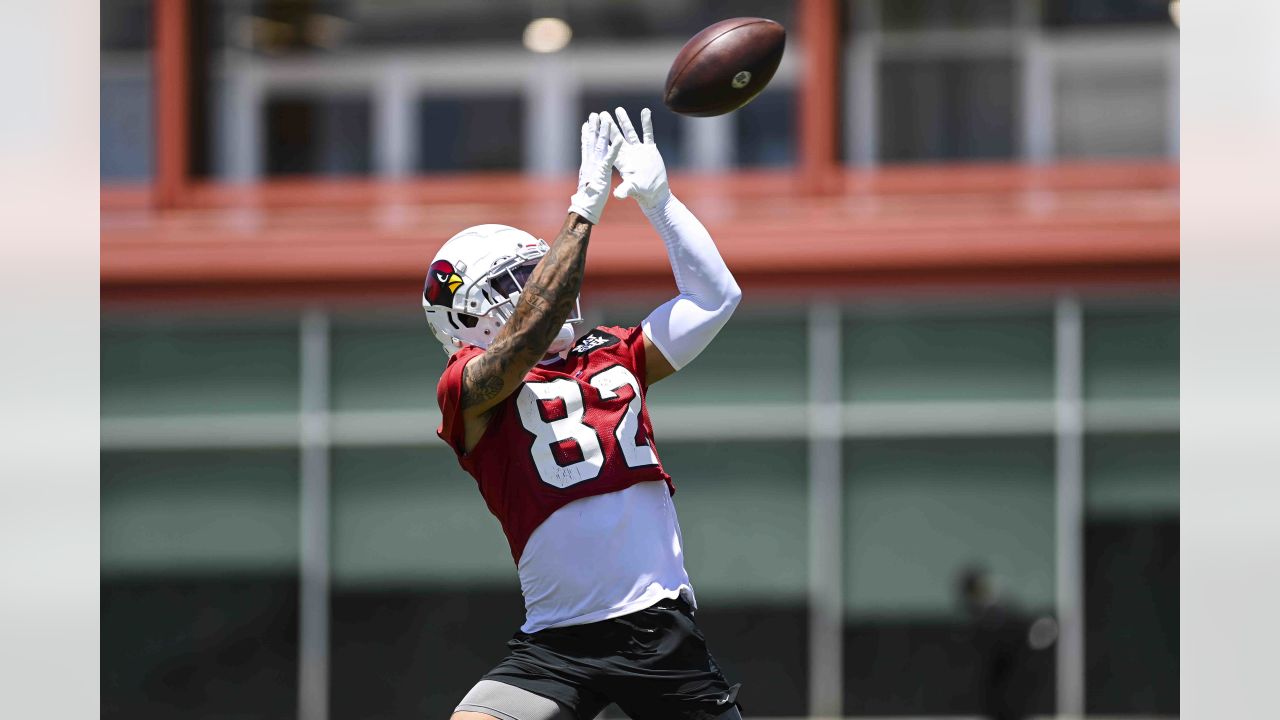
(544, 305)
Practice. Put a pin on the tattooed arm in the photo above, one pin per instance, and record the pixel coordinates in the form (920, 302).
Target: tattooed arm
(549, 295)
(544, 306)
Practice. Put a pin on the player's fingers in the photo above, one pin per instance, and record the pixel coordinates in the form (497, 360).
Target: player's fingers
(587, 141)
(615, 135)
(612, 157)
(646, 125)
(592, 137)
(628, 129)
(602, 134)
(623, 190)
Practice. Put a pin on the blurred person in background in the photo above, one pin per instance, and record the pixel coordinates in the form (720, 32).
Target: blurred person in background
(556, 433)
(999, 634)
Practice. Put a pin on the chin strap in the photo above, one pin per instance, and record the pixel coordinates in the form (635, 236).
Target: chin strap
(682, 327)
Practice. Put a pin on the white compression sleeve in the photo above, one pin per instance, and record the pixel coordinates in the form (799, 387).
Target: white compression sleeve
(683, 326)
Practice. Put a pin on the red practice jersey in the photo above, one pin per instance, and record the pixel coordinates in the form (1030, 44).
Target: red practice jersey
(575, 428)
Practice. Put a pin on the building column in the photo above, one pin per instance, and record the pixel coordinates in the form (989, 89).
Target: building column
(171, 62)
(1037, 92)
(394, 137)
(862, 87)
(551, 130)
(820, 29)
(708, 142)
(826, 515)
(313, 630)
(1069, 505)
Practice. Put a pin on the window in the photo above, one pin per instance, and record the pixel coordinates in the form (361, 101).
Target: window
(947, 109)
(765, 133)
(1064, 13)
(126, 91)
(470, 133)
(126, 120)
(938, 80)
(318, 135)
(945, 14)
(1107, 111)
(328, 25)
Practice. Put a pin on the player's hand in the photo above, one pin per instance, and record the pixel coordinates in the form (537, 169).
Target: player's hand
(644, 175)
(600, 147)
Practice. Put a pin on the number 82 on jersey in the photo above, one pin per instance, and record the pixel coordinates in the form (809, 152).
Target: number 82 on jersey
(548, 434)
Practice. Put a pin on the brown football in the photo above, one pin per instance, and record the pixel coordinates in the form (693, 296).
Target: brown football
(723, 67)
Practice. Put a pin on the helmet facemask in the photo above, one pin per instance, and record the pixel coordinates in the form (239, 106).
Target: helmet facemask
(509, 282)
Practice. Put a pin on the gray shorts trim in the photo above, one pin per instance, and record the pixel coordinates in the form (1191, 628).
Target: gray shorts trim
(507, 702)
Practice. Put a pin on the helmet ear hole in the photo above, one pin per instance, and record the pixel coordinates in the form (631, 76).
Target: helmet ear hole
(468, 320)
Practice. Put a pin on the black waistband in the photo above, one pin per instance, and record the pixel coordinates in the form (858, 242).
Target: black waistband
(676, 603)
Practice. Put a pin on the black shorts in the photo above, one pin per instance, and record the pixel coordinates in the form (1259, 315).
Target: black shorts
(653, 663)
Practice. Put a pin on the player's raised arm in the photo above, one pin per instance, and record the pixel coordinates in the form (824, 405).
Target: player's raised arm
(548, 297)
(682, 327)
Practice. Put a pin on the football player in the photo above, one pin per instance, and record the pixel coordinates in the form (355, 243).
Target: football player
(555, 430)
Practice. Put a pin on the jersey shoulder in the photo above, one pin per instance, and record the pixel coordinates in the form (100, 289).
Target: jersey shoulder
(608, 345)
(600, 338)
(450, 382)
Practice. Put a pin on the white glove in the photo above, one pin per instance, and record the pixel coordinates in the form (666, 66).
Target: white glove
(644, 175)
(599, 150)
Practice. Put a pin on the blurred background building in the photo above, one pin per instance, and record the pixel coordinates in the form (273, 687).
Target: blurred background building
(956, 225)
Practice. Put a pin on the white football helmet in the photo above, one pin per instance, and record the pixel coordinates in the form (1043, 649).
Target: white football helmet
(475, 281)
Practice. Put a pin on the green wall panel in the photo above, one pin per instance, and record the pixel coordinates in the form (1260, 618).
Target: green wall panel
(410, 515)
(384, 366)
(743, 510)
(197, 369)
(919, 511)
(948, 358)
(754, 359)
(1131, 474)
(1131, 354)
(405, 516)
(204, 511)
